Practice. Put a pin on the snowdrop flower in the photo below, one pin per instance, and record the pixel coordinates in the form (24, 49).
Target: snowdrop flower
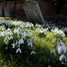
(13, 45)
(17, 31)
(61, 33)
(64, 48)
(45, 31)
(11, 37)
(8, 32)
(37, 30)
(2, 34)
(34, 38)
(33, 52)
(6, 48)
(30, 32)
(41, 30)
(38, 26)
(24, 34)
(18, 50)
(55, 30)
(62, 57)
(65, 29)
(21, 41)
(58, 32)
(2, 28)
(6, 40)
(28, 25)
(53, 51)
(30, 42)
(32, 25)
(59, 49)
(21, 25)
(8, 29)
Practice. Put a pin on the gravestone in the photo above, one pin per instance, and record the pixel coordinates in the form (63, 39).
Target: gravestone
(7, 12)
(33, 11)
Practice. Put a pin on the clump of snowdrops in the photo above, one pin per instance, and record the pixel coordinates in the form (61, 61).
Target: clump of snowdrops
(45, 43)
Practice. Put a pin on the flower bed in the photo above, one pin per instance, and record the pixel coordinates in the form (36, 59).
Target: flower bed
(24, 45)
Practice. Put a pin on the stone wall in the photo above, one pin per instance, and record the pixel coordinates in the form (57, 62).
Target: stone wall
(12, 8)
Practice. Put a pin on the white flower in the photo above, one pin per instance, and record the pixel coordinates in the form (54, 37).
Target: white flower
(61, 33)
(13, 45)
(11, 37)
(6, 48)
(41, 30)
(2, 34)
(45, 31)
(9, 32)
(55, 30)
(30, 43)
(30, 32)
(38, 30)
(8, 29)
(18, 50)
(58, 32)
(6, 40)
(62, 57)
(33, 52)
(64, 48)
(53, 51)
(29, 25)
(17, 30)
(65, 29)
(24, 34)
(34, 38)
(38, 26)
(59, 49)
(21, 41)
(2, 28)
